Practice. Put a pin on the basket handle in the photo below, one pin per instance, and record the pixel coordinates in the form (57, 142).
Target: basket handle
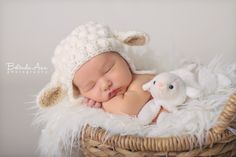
(227, 115)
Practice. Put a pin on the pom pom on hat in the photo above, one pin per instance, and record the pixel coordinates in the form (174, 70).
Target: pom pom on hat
(85, 42)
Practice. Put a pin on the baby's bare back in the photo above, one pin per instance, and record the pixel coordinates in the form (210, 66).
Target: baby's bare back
(132, 101)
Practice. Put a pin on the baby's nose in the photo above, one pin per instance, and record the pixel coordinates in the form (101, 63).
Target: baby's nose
(106, 84)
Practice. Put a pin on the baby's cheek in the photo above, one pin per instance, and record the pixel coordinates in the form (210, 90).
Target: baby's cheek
(99, 96)
(127, 80)
(89, 95)
(122, 80)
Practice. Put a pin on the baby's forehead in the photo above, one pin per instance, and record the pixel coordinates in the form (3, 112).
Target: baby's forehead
(94, 67)
(100, 60)
(107, 55)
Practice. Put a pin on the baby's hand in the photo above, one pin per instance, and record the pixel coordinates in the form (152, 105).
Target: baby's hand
(92, 103)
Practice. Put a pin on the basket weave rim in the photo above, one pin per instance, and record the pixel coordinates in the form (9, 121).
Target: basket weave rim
(216, 134)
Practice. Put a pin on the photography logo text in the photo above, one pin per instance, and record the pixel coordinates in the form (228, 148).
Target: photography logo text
(14, 68)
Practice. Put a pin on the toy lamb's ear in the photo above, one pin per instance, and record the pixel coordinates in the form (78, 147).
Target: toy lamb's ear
(50, 95)
(192, 92)
(147, 86)
(132, 38)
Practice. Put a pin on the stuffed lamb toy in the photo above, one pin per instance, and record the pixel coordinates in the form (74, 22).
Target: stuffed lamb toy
(168, 91)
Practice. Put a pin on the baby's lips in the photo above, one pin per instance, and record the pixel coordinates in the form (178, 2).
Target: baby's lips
(110, 95)
(113, 93)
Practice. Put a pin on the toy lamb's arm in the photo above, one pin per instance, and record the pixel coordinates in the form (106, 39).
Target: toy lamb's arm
(148, 112)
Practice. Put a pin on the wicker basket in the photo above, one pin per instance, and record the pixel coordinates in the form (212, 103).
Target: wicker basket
(219, 142)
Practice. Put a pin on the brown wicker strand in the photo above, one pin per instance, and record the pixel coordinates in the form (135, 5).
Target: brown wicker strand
(180, 143)
(227, 115)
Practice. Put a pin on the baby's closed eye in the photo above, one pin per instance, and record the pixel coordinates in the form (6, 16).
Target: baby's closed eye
(108, 68)
(89, 86)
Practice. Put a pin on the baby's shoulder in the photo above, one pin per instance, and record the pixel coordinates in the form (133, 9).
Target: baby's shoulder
(139, 80)
(142, 77)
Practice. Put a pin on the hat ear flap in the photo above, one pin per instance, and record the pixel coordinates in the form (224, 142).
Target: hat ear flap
(132, 38)
(51, 95)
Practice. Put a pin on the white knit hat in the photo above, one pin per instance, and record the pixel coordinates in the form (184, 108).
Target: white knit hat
(85, 42)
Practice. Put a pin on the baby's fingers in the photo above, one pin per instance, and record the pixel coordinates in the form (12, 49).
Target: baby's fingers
(98, 105)
(85, 100)
(91, 103)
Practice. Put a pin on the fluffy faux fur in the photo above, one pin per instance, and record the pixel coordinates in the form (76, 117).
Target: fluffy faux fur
(63, 123)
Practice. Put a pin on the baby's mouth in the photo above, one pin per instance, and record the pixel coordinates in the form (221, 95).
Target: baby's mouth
(113, 93)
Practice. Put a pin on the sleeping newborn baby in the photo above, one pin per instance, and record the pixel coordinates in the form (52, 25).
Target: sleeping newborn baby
(107, 80)
(92, 62)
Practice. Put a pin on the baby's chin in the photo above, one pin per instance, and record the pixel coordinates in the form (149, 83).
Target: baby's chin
(120, 92)
(104, 99)
(107, 98)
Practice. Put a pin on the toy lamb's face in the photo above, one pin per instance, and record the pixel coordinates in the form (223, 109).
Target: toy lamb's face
(166, 86)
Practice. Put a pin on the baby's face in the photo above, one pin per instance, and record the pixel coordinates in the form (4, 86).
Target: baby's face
(103, 77)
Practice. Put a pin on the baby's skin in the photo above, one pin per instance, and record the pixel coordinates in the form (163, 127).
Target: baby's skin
(106, 81)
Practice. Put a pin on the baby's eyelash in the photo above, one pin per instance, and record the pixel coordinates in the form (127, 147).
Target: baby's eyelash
(109, 68)
(89, 87)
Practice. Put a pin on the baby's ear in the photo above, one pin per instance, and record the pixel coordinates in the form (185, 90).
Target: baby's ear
(132, 38)
(51, 95)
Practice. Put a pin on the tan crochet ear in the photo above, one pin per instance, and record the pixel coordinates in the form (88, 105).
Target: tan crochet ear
(50, 95)
(132, 38)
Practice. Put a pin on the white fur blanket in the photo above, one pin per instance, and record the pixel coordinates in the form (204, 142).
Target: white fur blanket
(63, 122)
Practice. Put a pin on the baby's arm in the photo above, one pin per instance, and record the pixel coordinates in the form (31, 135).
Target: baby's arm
(133, 100)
